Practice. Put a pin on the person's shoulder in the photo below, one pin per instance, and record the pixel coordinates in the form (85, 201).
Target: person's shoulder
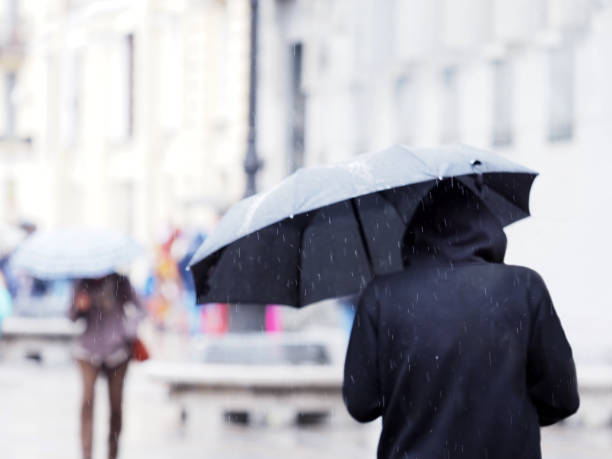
(527, 276)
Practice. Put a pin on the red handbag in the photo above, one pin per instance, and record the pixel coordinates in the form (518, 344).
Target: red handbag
(140, 351)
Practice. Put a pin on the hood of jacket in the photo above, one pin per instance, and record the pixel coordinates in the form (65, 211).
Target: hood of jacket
(452, 225)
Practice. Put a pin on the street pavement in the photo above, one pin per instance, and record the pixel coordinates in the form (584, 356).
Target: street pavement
(39, 405)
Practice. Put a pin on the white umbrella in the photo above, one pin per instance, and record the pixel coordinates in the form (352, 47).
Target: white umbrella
(75, 253)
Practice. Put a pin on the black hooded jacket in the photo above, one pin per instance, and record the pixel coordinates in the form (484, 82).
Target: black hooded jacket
(461, 355)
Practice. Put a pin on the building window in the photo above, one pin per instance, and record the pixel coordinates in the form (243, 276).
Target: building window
(502, 103)
(9, 97)
(297, 107)
(449, 105)
(71, 98)
(170, 87)
(122, 89)
(12, 18)
(124, 206)
(10, 198)
(129, 50)
(561, 96)
(360, 110)
(406, 107)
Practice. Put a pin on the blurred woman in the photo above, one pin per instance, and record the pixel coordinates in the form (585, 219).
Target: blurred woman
(112, 312)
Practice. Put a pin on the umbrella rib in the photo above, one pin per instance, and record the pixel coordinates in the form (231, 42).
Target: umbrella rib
(364, 240)
(393, 204)
(299, 267)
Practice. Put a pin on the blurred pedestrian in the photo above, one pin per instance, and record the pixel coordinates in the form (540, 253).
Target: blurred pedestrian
(6, 304)
(165, 301)
(112, 312)
(10, 280)
(462, 355)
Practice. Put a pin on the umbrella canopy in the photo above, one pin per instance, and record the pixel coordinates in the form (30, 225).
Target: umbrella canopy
(325, 231)
(74, 253)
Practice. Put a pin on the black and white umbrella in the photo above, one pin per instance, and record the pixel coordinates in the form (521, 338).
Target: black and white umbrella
(325, 231)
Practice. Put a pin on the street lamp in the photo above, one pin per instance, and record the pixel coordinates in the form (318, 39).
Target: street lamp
(250, 317)
(252, 164)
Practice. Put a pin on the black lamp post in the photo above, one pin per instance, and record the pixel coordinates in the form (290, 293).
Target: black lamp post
(252, 164)
(250, 317)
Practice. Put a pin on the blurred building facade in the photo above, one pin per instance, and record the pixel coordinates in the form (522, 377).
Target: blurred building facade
(343, 77)
(133, 114)
(129, 114)
(528, 79)
(15, 138)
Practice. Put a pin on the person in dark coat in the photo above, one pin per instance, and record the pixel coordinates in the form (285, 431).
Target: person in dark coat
(462, 355)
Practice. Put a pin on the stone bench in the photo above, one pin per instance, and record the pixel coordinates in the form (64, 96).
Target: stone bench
(51, 328)
(241, 392)
(595, 378)
(38, 338)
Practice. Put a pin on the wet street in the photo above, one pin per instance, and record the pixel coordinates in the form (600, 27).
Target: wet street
(40, 411)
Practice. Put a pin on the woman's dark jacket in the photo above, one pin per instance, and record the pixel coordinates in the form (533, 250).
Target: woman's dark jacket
(461, 355)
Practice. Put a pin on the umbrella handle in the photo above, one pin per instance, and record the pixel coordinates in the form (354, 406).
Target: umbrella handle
(476, 163)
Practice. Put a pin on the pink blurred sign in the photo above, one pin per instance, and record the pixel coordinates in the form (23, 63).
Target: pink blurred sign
(274, 321)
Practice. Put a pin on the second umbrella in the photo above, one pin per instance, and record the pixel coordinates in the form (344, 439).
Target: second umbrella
(74, 253)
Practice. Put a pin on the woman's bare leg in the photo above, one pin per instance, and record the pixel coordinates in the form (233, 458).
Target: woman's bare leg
(88, 375)
(116, 377)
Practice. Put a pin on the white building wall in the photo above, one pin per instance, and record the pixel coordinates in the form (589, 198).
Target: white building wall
(353, 99)
(466, 24)
(475, 107)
